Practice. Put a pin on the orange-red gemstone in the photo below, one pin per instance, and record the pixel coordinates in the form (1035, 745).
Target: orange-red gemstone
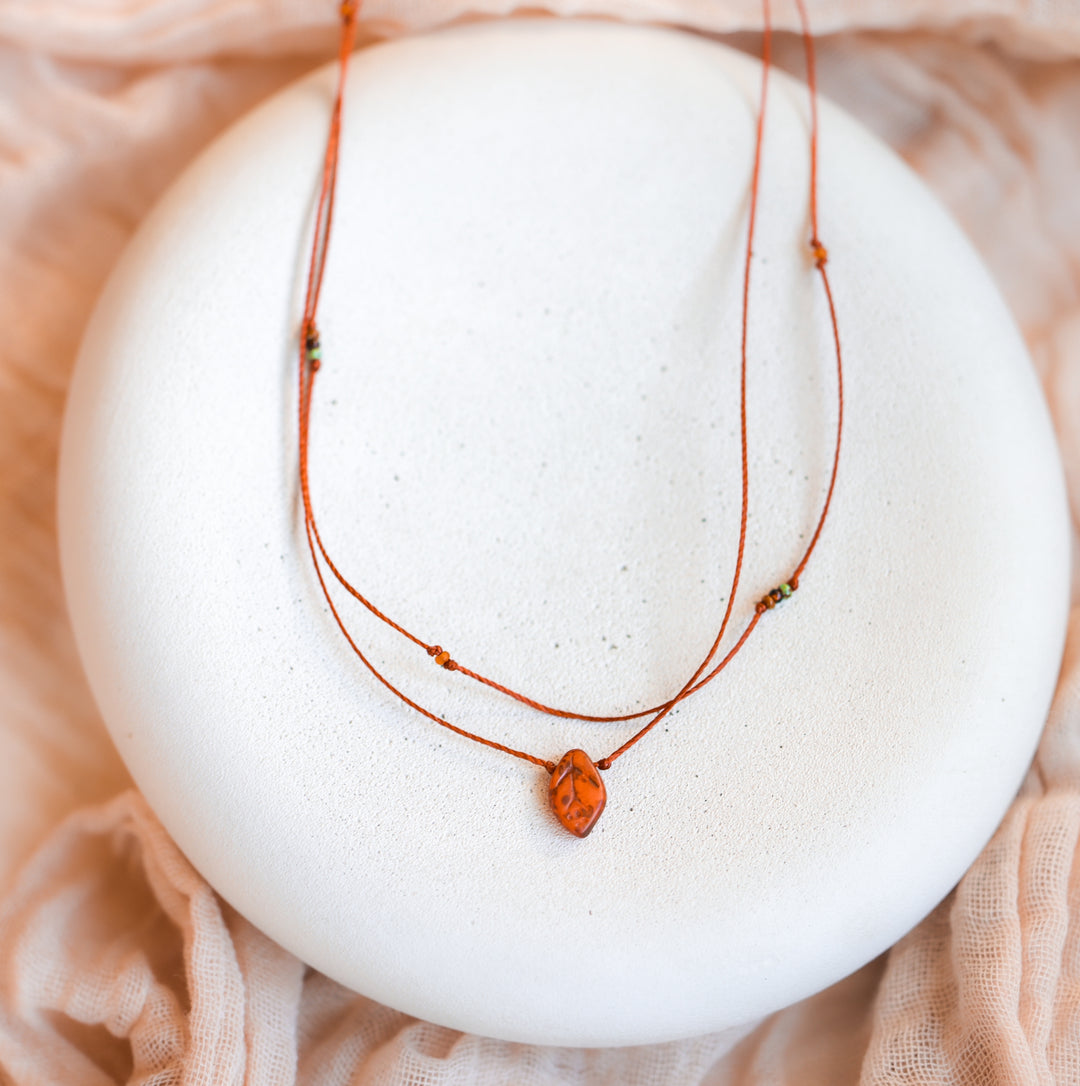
(577, 793)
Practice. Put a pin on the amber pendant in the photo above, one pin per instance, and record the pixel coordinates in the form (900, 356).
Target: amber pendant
(577, 793)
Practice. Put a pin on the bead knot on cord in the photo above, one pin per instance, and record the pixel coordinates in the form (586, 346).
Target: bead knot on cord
(441, 657)
(348, 10)
(777, 595)
(821, 254)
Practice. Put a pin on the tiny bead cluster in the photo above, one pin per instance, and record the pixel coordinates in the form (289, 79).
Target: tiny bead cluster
(821, 254)
(313, 350)
(441, 657)
(777, 595)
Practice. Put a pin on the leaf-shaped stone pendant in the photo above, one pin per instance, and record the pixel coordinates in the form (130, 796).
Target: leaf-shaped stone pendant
(577, 793)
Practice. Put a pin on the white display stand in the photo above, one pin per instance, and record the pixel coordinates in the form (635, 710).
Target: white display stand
(526, 448)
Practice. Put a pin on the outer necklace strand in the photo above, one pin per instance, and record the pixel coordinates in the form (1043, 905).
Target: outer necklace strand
(576, 791)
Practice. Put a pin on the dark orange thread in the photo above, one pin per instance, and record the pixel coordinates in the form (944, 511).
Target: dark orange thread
(311, 360)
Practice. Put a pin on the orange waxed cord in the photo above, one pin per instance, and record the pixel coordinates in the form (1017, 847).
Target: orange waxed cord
(323, 219)
(820, 255)
(755, 188)
(310, 355)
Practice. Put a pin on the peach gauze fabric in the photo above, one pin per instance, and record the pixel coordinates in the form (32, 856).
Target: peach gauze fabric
(119, 963)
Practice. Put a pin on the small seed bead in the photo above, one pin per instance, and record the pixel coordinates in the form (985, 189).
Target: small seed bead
(442, 657)
(313, 349)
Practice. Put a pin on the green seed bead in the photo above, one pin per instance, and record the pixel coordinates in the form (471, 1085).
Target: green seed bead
(785, 589)
(314, 353)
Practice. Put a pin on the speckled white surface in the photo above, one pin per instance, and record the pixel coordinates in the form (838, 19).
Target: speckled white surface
(526, 449)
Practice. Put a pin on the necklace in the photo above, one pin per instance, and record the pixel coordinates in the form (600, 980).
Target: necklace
(577, 794)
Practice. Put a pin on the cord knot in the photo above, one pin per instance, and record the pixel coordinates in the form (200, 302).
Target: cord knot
(821, 254)
(348, 10)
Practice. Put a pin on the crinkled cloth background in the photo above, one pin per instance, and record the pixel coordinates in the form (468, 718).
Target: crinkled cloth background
(119, 964)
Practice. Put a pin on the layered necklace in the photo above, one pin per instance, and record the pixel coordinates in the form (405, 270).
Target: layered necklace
(576, 789)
